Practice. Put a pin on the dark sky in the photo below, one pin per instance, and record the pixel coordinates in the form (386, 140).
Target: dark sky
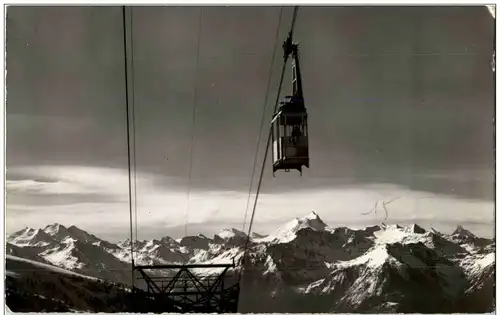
(395, 95)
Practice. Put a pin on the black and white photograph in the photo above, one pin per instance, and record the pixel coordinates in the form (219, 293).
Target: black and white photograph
(250, 158)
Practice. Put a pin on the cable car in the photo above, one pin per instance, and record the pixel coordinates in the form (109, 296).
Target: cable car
(290, 145)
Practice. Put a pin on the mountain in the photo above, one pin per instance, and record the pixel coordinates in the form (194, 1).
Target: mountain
(70, 248)
(460, 232)
(227, 234)
(255, 235)
(303, 266)
(37, 287)
(31, 237)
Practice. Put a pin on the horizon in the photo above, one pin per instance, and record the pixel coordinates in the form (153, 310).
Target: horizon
(447, 230)
(400, 102)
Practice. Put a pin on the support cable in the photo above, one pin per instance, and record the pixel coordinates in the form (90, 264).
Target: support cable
(125, 42)
(132, 72)
(193, 122)
(268, 142)
(263, 118)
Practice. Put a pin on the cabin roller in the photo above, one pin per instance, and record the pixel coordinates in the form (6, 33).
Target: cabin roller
(289, 124)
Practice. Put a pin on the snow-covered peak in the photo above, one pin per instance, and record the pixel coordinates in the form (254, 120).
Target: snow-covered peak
(374, 258)
(31, 237)
(54, 228)
(21, 233)
(57, 231)
(433, 230)
(460, 231)
(355, 269)
(152, 244)
(230, 233)
(415, 228)
(397, 234)
(82, 235)
(313, 220)
(126, 244)
(392, 253)
(288, 231)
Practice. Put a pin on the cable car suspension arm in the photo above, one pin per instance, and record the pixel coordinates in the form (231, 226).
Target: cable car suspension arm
(292, 49)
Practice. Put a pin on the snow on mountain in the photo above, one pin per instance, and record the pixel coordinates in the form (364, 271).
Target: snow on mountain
(82, 235)
(126, 244)
(63, 255)
(462, 233)
(27, 252)
(476, 264)
(255, 235)
(483, 271)
(227, 234)
(480, 272)
(395, 234)
(34, 287)
(390, 273)
(90, 259)
(287, 232)
(14, 259)
(163, 252)
(378, 268)
(107, 245)
(12, 237)
(230, 237)
(60, 232)
(57, 231)
(31, 237)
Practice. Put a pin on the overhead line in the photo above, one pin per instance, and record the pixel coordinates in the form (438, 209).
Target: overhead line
(263, 117)
(268, 140)
(128, 138)
(193, 122)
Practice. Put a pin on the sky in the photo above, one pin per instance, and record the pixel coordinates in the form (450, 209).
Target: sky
(400, 103)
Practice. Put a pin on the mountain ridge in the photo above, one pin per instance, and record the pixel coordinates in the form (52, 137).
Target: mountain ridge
(303, 260)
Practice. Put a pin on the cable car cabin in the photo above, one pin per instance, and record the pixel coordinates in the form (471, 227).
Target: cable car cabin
(289, 125)
(289, 137)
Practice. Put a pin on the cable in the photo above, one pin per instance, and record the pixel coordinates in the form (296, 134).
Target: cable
(132, 73)
(263, 117)
(268, 142)
(128, 139)
(193, 122)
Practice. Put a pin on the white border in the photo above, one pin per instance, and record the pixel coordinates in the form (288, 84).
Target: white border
(255, 2)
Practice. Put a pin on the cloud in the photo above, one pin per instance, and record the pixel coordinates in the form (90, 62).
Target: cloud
(66, 180)
(97, 199)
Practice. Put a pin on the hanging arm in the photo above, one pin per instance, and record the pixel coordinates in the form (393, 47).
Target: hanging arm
(290, 48)
(296, 76)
